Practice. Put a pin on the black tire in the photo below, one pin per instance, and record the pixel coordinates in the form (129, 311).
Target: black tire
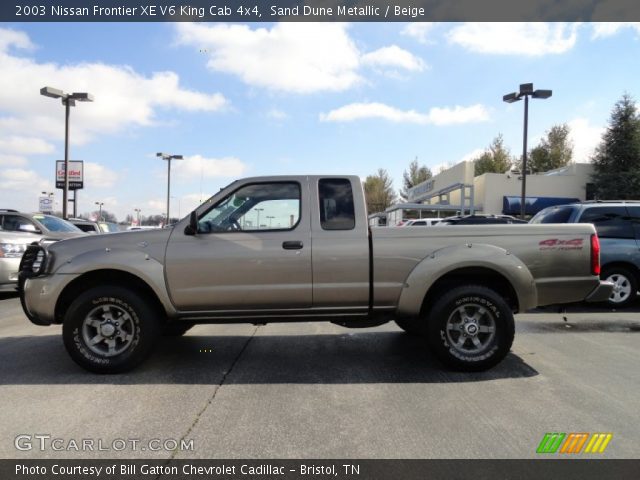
(123, 323)
(413, 326)
(626, 286)
(176, 329)
(454, 341)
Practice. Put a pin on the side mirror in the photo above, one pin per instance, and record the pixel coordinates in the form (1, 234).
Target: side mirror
(192, 228)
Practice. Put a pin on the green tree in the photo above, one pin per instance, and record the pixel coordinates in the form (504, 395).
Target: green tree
(616, 160)
(555, 150)
(495, 159)
(416, 175)
(378, 191)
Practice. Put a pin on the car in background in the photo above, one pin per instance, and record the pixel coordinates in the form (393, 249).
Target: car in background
(39, 226)
(480, 220)
(618, 227)
(12, 246)
(90, 226)
(420, 222)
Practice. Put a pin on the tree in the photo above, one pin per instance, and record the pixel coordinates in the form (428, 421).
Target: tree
(378, 190)
(495, 159)
(555, 150)
(616, 160)
(106, 216)
(416, 175)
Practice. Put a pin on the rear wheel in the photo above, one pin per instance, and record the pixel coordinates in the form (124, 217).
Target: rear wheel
(625, 286)
(110, 329)
(470, 328)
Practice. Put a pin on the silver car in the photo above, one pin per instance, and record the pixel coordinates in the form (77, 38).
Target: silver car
(38, 226)
(12, 246)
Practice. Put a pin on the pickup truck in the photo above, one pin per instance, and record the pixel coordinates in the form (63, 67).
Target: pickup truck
(299, 248)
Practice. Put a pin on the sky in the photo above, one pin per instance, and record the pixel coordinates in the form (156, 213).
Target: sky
(289, 98)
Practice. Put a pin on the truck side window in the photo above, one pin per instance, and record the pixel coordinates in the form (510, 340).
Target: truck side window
(336, 204)
(610, 222)
(257, 206)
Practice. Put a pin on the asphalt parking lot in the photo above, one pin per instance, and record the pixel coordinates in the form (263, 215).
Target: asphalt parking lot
(321, 391)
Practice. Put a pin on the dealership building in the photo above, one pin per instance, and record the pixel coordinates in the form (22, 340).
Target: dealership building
(458, 191)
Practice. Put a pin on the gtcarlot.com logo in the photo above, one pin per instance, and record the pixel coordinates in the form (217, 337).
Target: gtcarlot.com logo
(574, 442)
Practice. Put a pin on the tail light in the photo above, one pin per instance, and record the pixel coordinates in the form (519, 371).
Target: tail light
(595, 255)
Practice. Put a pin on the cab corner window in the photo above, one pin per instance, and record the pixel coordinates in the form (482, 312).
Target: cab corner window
(336, 204)
(258, 206)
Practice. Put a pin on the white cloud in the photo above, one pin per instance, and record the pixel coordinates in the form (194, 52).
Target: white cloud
(158, 206)
(418, 31)
(123, 97)
(472, 155)
(13, 160)
(395, 57)
(196, 166)
(531, 39)
(435, 116)
(585, 138)
(277, 114)
(99, 176)
(25, 145)
(607, 29)
(297, 57)
(291, 57)
(22, 179)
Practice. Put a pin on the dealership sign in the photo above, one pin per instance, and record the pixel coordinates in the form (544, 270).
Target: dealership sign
(76, 174)
(45, 204)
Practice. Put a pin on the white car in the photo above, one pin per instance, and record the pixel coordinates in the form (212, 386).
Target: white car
(421, 222)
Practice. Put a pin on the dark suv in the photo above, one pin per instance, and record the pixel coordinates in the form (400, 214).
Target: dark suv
(618, 226)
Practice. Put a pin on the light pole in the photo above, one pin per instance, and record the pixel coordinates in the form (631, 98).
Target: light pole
(526, 91)
(179, 202)
(258, 210)
(100, 209)
(270, 217)
(168, 157)
(137, 210)
(68, 100)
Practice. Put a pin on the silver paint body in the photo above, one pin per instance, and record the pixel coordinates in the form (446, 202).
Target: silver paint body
(238, 276)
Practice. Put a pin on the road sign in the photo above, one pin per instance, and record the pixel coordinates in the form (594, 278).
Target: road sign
(76, 174)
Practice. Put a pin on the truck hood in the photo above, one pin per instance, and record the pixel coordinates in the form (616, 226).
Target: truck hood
(152, 242)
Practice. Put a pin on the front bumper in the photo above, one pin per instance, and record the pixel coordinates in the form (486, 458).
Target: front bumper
(38, 296)
(601, 293)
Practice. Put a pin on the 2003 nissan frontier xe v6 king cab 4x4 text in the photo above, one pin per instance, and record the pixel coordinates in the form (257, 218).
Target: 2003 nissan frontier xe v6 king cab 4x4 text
(299, 248)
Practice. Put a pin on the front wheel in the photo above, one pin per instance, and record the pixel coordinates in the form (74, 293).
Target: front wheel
(110, 329)
(470, 328)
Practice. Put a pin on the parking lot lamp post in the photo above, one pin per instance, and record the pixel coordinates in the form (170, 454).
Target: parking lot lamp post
(526, 91)
(137, 210)
(258, 210)
(168, 157)
(270, 217)
(68, 100)
(100, 209)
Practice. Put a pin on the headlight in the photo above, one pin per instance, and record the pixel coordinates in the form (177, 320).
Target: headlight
(12, 250)
(37, 263)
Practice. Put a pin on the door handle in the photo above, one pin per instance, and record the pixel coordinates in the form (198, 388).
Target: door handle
(292, 245)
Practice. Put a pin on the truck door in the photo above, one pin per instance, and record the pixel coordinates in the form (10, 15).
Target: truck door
(252, 251)
(340, 244)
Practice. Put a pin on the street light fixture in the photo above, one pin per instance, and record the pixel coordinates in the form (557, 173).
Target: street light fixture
(526, 91)
(270, 217)
(68, 100)
(100, 211)
(168, 157)
(137, 210)
(258, 210)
